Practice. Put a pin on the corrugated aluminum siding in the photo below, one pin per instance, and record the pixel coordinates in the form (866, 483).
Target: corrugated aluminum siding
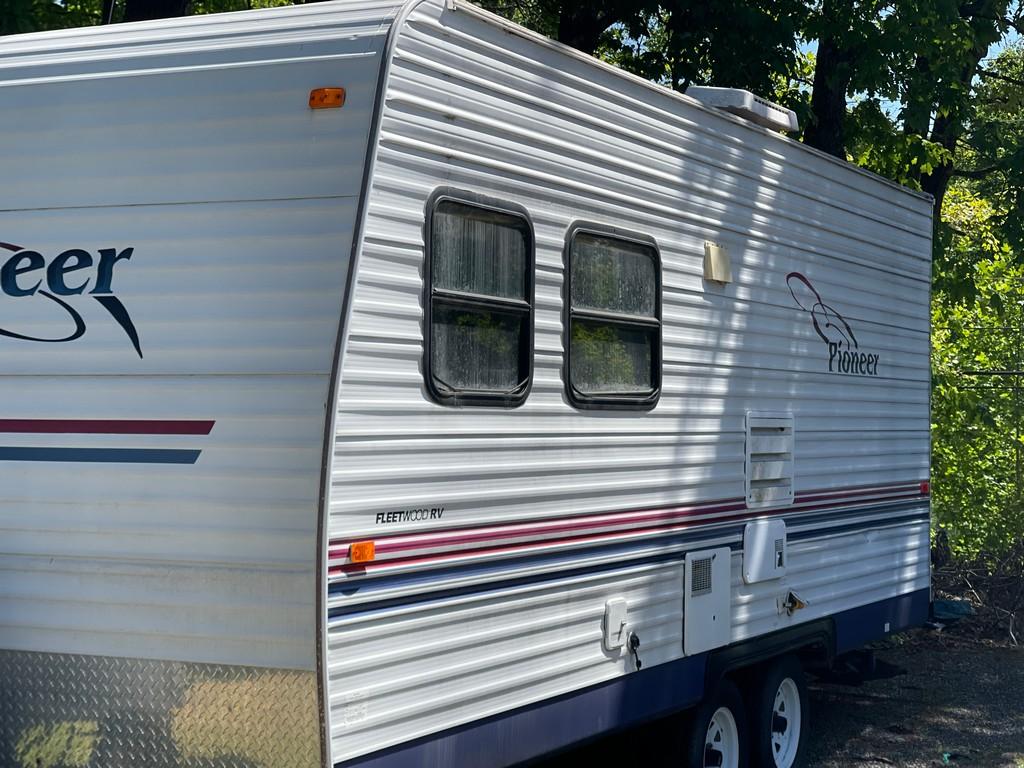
(473, 104)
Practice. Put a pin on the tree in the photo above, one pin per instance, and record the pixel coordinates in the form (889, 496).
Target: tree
(144, 10)
(977, 397)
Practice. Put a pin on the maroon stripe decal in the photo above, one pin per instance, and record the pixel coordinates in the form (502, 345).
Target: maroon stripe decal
(814, 496)
(868, 487)
(105, 427)
(10, 247)
(664, 516)
(675, 522)
(448, 536)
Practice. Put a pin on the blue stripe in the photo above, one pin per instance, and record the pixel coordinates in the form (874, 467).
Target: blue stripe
(634, 698)
(101, 455)
(410, 582)
(521, 581)
(859, 626)
(514, 737)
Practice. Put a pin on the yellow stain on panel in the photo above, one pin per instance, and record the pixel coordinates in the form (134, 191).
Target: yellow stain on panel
(68, 744)
(244, 719)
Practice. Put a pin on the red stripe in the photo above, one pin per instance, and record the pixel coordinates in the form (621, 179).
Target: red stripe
(403, 541)
(342, 552)
(662, 515)
(106, 426)
(868, 486)
(815, 496)
(363, 568)
(10, 247)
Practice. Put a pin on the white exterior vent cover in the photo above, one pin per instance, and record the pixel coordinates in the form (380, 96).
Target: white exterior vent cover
(768, 468)
(746, 105)
(701, 576)
(707, 599)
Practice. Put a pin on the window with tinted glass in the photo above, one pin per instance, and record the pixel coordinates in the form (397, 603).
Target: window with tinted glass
(479, 325)
(613, 299)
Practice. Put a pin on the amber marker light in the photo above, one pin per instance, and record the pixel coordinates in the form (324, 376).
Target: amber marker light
(361, 551)
(327, 98)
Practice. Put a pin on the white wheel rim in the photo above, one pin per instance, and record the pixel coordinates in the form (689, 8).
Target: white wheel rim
(722, 742)
(786, 722)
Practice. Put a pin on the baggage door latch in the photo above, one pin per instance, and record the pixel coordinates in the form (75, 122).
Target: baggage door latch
(791, 604)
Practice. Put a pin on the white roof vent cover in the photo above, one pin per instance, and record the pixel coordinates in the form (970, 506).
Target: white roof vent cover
(746, 105)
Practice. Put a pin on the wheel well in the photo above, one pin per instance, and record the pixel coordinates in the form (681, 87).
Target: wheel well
(813, 643)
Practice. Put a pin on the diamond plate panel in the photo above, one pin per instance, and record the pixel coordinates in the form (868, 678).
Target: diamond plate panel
(71, 711)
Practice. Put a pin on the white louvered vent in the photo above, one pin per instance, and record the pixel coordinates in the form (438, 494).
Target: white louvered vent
(700, 577)
(769, 459)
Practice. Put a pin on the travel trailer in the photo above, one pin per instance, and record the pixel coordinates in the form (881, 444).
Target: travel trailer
(386, 385)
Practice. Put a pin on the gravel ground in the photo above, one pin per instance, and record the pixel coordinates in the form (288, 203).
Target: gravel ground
(954, 701)
(961, 702)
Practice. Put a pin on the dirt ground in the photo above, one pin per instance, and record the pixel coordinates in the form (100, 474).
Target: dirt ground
(960, 702)
(950, 700)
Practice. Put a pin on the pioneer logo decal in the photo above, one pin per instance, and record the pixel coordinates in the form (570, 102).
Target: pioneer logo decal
(29, 275)
(844, 353)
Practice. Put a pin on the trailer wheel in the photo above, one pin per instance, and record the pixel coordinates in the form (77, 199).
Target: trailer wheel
(779, 715)
(717, 733)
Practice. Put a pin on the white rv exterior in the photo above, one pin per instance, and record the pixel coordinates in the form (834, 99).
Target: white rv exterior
(218, 386)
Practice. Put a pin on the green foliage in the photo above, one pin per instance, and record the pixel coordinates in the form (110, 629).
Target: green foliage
(877, 144)
(977, 441)
(994, 154)
(697, 42)
(19, 16)
(600, 360)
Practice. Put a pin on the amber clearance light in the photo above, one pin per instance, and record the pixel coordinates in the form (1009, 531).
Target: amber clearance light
(327, 98)
(361, 551)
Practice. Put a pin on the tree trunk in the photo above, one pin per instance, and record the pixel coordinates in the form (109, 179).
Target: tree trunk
(581, 26)
(144, 10)
(947, 129)
(832, 75)
(920, 99)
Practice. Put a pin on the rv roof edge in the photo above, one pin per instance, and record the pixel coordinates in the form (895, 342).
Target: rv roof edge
(746, 105)
(464, 6)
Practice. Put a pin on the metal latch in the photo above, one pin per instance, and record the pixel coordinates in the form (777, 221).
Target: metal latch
(791, 604)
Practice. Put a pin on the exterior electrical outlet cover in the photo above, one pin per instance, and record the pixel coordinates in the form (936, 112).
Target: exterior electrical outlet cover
(615, 626)
(764, 551)
(716, 263)
(707, 595)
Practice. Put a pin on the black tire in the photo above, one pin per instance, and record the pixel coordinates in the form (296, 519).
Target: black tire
(761, 715)
(726, 695)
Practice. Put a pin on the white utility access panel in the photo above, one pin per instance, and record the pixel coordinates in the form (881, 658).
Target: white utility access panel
(707, 593)
(764, 551)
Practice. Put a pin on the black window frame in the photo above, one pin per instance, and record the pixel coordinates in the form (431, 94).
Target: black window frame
(624, 401)
(440, 393)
